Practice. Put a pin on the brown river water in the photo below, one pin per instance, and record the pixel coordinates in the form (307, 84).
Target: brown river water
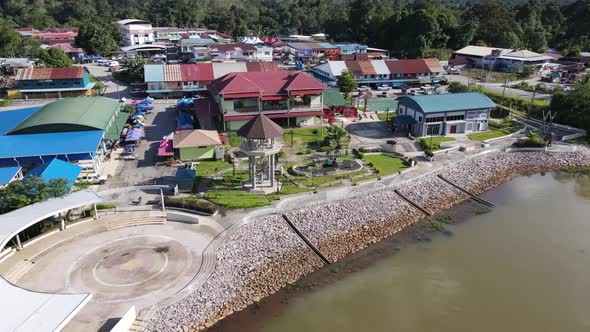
(521, 266)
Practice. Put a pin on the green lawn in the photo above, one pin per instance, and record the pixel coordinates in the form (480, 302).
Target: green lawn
(433, 144)
(314, 181)
(364, 178)
(207, 168)
(491, 133)
(234, 139)
(383, 116)
(235, 199)
(385, 165)
(302, 138)
(288, 188)
(231, 180)
(492, 76)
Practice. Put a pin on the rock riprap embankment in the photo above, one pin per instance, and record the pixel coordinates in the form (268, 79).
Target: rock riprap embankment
(257, 260)
(264, 254)
(343, 227)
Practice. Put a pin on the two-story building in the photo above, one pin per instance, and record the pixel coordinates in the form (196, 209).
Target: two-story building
(452, 113)
(35, 83)
(501, 58)
(136, 32)
(312, 52)
(240, 52)
(383, 72)
(290, 99)
(177, 80)
(352, 51)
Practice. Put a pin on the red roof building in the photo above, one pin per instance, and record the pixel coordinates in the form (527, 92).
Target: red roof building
(286, 97)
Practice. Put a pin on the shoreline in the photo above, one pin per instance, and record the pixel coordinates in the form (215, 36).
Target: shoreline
(264, 255)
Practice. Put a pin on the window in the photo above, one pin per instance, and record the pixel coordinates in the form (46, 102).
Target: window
(38, 84)
(27, 84)
(178, 84)
(136, 36)
(456, 117)
(435, 119)
(420, 119)
(77, 83)
(433, 129)
(52, 84)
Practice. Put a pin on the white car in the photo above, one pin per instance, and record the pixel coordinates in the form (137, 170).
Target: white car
(384, 88)
(114, 64)
(362, 88)
(93, 178)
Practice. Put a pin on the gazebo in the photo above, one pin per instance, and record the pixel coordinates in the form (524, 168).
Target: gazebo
(260, 147)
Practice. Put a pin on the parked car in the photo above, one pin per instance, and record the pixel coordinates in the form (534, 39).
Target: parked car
(384, 88)
(103, 62)
(362, 88)
(382, 94)
(93, 178)
(114, 64)
(136, 91)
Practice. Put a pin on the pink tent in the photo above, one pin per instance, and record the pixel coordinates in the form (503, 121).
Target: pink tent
(266, 40)
(166, 149)
(272, 40)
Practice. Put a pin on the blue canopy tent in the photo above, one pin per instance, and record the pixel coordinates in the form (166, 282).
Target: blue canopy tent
(185, 121)
(184, 103)
(56, 169)
(134, 135)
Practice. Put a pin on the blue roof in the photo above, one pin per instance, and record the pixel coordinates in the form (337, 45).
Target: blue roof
(7, 174)
(9, 119)
(186, 174)
(449, 102)
(50, 144)
(153, 73)
(57, 169)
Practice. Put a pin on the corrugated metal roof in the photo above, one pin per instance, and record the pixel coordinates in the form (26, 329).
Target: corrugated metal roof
(8, 173)
(261, 66)
(449, 102)
(480, 51)
(52, 144)
(36, 311)
(367, 67)
(221, 69)
(49, 73)
(57, 169)
(172, 73)
(354, 67)
(327, 45)
(153, 73)
(69, 114)
(195, 138)
(11, 118)
(202, 72)
(264, 83)
(434, 65)
(408, 66)
(380, 67)
(260, 127)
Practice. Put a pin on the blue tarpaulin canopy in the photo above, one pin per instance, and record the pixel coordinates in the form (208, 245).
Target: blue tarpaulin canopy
(7, 174)
(186, 174)
(185, 121)
(184, 103)
(133, 135)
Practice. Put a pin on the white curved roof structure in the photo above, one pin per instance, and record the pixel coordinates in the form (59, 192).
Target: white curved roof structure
(16, 221)
(25, 310)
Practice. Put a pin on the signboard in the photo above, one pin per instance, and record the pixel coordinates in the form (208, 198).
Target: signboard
(477, 115)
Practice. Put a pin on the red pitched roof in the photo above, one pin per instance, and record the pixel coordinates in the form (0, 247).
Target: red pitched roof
(408, 66)
(49, 73)
(434, 65)
(264, 83)
(67, 48)
(196, 72)
(367, 67)
(354, 67)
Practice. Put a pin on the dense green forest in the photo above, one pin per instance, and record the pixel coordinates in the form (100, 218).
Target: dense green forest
(408, 29)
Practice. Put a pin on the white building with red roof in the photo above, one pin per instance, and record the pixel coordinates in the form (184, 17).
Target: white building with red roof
(285, 97)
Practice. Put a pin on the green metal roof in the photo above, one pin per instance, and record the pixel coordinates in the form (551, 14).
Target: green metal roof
(113, 133)
(333, 97)
(449, 102)
(70, 114)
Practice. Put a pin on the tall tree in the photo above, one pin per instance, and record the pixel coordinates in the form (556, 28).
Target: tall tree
(31, 190)
(54, 57)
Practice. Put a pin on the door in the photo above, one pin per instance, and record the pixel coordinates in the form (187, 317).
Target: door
(478, 124)
(453, 129)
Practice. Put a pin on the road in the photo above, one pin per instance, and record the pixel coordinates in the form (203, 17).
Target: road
(114, 89)
(497, 87)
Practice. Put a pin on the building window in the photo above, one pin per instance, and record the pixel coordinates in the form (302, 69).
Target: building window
(420, 119)
(136, 36)
(433, 129)
(52, 84)
(77, 83)
(38, 84)
(456, 117)
(435, 119)
(27, 84)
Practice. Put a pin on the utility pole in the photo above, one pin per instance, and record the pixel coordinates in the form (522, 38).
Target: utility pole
(532, 99)
(504, 89)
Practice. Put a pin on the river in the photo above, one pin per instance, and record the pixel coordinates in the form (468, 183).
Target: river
(521, 266)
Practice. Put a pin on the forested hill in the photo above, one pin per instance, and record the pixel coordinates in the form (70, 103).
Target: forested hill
(420, 28)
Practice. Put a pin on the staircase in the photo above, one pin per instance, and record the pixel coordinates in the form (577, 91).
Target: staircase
(17, 271)
(135, 218)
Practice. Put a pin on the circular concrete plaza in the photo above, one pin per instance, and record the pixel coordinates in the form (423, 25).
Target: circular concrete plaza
(139, 266)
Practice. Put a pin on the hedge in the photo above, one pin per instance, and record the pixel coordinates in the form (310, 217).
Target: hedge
(191, 203)
(536, 109)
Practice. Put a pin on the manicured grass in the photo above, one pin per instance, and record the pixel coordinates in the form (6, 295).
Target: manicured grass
(385, 165)
(235, 199)
(288, 188)
(208, 168)
(383, 116)
(491, 133)
(364, 178)
(302, 138)
(234, 139)
(433, 143)
(315, 181)
(230, 180)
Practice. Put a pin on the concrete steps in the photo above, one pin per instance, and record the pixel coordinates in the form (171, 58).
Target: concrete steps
(136, 218)
(18, 271)
(142, 319)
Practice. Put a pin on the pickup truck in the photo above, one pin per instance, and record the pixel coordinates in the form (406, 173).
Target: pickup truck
(93, 178)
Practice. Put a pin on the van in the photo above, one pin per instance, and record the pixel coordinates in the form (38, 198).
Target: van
(103, 62)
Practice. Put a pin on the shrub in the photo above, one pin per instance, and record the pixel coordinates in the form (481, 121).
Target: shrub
(105, 206)
(6, 102)
(533, 141)
(191, 203)
(325, 148)
(428, 153)
(499, 112)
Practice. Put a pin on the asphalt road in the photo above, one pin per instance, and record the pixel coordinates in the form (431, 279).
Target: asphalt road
(497, 87)
(114, 89)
